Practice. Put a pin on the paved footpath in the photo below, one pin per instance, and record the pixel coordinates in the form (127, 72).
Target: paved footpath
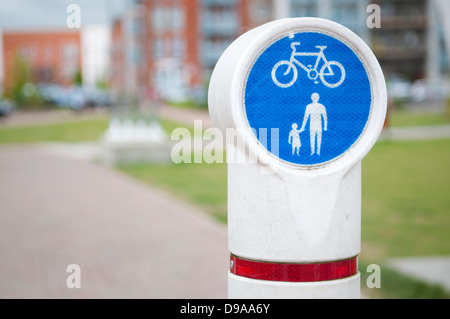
(130, 240)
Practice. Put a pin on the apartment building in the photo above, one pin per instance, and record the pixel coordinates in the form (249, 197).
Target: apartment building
(350, 13)
(401, 44)
(413, 44)
(49, 56)
(173, 45)
(172, 52)
(117, 56)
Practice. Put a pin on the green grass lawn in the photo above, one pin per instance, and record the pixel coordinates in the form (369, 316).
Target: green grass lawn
(400, 118)
(77, 130)
(406, 199)
(71, 131)
(91, 129)
(395, 285)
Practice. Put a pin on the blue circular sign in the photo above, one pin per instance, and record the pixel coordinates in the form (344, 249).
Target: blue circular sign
(308, 98)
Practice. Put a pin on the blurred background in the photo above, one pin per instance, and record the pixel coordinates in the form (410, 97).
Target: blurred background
(116, 77)
(143, 49)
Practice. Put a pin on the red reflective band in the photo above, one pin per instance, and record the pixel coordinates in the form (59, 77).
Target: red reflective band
(294, 272)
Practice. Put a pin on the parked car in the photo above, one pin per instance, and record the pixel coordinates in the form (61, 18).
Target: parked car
(97, 97)
(75, 97)
(6, 108)
(51, 93)
(399, 88)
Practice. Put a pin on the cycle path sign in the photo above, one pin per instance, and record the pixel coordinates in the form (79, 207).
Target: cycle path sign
(305, 99)
(314, 88)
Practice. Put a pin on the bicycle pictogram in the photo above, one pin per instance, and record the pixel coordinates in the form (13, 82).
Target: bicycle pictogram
(332, 73)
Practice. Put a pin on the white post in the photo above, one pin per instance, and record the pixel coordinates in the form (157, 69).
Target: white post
(294, 203)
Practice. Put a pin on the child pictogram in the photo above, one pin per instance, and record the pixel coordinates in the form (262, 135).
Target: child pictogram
(294, 139)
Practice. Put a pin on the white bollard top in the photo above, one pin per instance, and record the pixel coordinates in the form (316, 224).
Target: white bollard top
(313, 85)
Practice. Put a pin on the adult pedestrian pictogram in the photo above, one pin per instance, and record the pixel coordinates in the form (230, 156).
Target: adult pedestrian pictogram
(315, 112)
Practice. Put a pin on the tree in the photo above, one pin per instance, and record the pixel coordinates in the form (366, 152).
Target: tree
(77, 78)
(22, 77)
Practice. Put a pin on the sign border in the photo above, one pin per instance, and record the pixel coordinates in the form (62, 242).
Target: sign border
(226, 94)
(366, 68)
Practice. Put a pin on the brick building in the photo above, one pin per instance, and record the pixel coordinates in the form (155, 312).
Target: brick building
(171, 46)
(172, 52)
(117, 71)
(49, 56)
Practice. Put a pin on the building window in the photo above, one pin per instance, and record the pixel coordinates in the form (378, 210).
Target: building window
(29, 52)
(159, 18)
(178, 18)
(158, 48)
(346, 14)
(167, 18)
(179, 47)
(68, 59)
(48, 53)
(304, 8)
(260, 11)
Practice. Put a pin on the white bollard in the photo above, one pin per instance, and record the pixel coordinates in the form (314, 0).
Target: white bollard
(306, 99)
